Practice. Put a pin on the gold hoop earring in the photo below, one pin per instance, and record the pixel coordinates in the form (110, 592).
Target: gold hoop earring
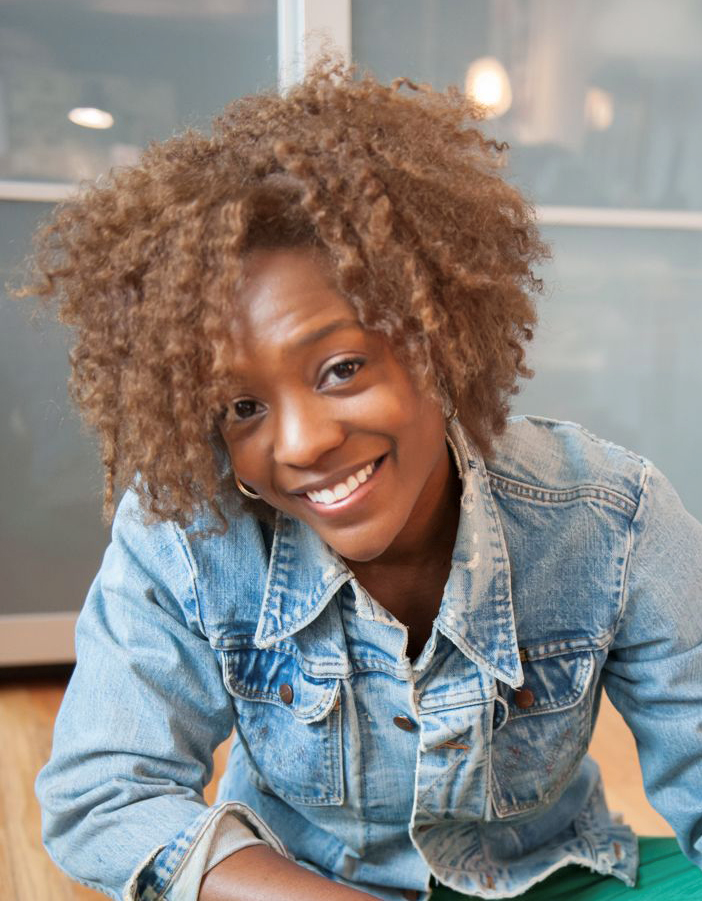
(245, 491)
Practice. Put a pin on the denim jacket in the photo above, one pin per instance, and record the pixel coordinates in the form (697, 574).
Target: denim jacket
(576, 567)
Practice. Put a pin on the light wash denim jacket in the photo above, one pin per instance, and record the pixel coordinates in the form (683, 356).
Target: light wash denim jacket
(575, 567)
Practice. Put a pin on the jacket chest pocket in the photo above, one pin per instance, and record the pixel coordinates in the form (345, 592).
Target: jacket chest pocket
(289, 724)
(545, 734)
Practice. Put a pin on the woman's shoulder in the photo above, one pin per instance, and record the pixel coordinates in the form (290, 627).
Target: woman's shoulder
(562, 456)
(205, 553)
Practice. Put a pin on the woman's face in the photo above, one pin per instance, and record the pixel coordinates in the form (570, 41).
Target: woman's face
(324, 422)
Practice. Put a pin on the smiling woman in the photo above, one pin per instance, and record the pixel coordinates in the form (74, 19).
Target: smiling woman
(297, 339)
(424, 240)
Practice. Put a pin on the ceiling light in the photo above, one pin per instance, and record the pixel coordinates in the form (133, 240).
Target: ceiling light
(599, 109)
(487, 84)
(90, 117)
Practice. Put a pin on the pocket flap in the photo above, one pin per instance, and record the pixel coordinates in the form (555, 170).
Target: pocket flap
(276, 677)
(550, 683)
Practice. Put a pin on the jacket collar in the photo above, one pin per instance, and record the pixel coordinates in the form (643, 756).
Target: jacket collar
(476, 611)
(303, 575)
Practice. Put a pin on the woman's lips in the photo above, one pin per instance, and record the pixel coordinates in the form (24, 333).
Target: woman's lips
(356, 496)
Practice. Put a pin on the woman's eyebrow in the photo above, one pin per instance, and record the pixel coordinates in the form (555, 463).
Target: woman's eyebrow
(327, 329)
(238, 381)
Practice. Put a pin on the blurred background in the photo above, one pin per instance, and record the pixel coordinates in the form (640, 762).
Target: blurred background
(599, 100)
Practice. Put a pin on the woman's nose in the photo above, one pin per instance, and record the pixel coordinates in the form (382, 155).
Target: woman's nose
(305, 431)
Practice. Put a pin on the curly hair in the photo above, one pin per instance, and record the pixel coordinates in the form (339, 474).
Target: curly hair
(401, 192)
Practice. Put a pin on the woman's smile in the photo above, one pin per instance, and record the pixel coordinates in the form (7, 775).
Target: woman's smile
(324, 422)
(345, 495)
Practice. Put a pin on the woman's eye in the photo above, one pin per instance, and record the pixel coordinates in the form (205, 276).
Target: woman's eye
(344, 370)
(244, 409)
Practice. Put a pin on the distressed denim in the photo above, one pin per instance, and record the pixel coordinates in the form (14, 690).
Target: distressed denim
(576, 567)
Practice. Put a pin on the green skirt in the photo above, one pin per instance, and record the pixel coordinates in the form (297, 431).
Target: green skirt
(664, 874)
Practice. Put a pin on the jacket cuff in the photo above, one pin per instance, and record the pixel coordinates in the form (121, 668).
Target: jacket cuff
(173, 872)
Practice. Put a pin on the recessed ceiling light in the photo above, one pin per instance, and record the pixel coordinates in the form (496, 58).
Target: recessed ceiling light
(487, 83)
(90, 117)
(599, 109)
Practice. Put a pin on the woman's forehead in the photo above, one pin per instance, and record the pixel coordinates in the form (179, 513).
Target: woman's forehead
(290, 294)
(286, 307)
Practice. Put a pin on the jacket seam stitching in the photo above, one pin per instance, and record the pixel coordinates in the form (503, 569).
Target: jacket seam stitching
(185, 550)
(630, 550)
(564, 647)
(560, 495)
(311, 667)
(442, 775)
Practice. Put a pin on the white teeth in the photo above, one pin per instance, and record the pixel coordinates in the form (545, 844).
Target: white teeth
(363, 475)
(343, 489)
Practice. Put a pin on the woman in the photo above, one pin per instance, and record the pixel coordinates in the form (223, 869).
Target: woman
(297, 339)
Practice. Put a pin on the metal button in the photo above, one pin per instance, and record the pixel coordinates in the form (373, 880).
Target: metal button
(404, 722)
(524, 698)
(286, 693)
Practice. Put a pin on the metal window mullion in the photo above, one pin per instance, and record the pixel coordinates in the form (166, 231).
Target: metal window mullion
(41, 191)
(580, 217)
(305, 27)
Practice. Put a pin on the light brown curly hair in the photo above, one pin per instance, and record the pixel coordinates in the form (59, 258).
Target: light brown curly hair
(400, 191)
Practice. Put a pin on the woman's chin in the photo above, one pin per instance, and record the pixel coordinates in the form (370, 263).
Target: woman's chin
(359, 548)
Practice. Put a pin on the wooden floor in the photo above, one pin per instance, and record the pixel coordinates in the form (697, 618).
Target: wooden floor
(27, 713)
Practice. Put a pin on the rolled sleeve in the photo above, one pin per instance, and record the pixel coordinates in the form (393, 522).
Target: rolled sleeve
(174, 873)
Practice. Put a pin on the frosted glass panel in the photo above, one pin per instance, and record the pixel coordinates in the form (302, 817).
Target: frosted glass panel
(51, 539)
(618, 347)
(606, 105)
(155, 65)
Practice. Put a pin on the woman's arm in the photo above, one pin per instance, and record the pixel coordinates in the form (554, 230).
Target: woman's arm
(259, 873)
(122, 795)
(653, 674)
